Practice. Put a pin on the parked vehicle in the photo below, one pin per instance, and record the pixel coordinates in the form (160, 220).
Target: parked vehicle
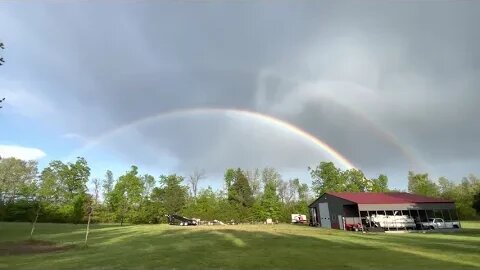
(354, 227)
(182, 221)
(298, 218)
(391, 221)
(439, 223)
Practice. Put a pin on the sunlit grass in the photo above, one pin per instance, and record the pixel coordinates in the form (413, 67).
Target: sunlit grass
(243, 247)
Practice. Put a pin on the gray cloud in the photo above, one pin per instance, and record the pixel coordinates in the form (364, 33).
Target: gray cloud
(351, 73)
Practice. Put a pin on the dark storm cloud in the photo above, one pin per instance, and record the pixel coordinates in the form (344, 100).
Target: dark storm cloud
(347, 72)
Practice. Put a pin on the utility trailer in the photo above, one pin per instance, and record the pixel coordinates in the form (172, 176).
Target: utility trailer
(182, 221)
(299, 219)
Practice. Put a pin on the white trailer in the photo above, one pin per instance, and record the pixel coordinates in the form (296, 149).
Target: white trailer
(298, 218)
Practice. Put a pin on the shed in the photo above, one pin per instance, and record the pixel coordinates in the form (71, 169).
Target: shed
(339, 209)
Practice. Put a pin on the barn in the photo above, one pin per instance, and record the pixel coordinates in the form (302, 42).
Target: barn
(341, 210)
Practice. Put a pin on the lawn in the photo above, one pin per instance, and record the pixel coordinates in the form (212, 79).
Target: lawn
(241, 247)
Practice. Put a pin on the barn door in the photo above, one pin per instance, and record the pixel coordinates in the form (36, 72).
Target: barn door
(324, 215)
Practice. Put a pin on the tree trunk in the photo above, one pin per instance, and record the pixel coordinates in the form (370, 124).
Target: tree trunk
(88, 229)
(34, 222)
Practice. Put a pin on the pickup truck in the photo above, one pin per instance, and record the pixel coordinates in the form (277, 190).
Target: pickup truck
(439, 223)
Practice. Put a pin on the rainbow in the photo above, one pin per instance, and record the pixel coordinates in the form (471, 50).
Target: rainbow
(256, 116)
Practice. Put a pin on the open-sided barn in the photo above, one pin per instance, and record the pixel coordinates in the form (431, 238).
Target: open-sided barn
(341, 209)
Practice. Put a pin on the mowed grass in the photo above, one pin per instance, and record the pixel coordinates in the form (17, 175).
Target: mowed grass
(242, 247)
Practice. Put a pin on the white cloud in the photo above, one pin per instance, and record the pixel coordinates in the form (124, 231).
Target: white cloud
(20, 152)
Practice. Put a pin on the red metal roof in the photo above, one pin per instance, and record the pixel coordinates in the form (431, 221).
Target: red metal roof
(386, 198)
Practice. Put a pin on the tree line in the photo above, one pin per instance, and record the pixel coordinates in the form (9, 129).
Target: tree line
(59, 193)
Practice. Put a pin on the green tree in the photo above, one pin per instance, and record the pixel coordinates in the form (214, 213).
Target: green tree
(108, 183)
(229, 179)
(254, 181)
(420, 184)
(240, 192)
(148, 185)
(270, 202)
(17, 178)
(327, 177)
(127, 195)
(355, 181)
(379, 184)
(171, 194)
(476, 203)
(205, 205)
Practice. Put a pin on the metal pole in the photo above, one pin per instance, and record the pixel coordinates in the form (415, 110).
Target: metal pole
(419, 218)
(450, 215)
(459, 224)
(369, 220)
(405, 223)
(388, 227)
(395, 219)
(360, 216)
(426, 214)
(410, 215)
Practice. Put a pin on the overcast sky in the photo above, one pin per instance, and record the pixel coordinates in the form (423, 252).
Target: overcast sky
(391, 85)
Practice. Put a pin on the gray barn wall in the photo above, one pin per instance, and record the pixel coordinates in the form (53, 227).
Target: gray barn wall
(335, 206)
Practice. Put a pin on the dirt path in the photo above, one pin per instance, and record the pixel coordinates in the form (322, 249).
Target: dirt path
(30, 247)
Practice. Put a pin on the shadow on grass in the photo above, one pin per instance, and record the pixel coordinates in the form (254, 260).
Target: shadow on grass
(225, 247)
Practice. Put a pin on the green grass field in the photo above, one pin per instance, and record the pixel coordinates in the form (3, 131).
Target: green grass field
(242, 247)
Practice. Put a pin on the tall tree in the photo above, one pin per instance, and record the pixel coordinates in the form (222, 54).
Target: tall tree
(379, 184)
(240, 192)
(422, 185)
(171, 193)
(108, 183)
(17, 178)
(96, 190)
(355, 181)
(229, 179)
(447, 188)
(270, 174)
(148, 185)
(327, 177)
(270, 202)
(282, 189)
(254, 181)
(127, 195)
(476, 203)
(194, 178)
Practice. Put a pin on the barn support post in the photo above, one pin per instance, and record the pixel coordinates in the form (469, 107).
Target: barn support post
(443, 217)
(395, 220)
(386, 223)
(450, 215)
(428, 220)
(369, 220)
(459, 224)
(405, 223)
(360, 216)
(410, 215)
(420, 219)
